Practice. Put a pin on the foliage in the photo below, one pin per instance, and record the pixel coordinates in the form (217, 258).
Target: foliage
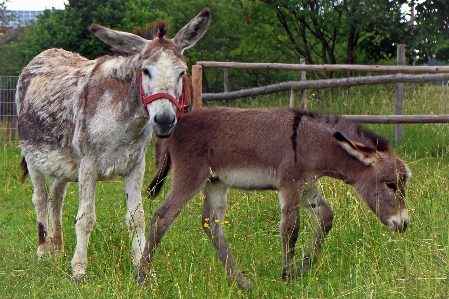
(360, 257)
(5, 15)
(321, 31)
(230, 38)
(69, 28)
(432, 30)
(331, 32)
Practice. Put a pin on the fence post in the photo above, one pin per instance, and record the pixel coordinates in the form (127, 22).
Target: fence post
(292, 98)
(197, 82)
(226, 84)
(399, 95)
(304, 91)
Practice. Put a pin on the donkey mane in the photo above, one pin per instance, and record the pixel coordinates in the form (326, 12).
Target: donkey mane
(149, 33)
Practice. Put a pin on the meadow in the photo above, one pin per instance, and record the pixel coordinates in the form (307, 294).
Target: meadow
(360, 257)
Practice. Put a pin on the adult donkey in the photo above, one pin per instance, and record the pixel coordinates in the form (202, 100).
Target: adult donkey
(280, 149)
(90, 120)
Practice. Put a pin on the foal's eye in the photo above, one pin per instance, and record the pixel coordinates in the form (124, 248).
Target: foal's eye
(392, 186)
(182, 74)
(146, 72)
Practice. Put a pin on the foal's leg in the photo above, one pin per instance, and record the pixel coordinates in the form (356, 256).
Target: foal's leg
(57, 193)
(323, 216)
(289, 198)
(184, 187)
(135, 219)
(86, 218)
(215, 201)
(40, 201)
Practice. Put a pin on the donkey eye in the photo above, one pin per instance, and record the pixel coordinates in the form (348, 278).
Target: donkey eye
(146, 72)
(392, 186)
(182, 74)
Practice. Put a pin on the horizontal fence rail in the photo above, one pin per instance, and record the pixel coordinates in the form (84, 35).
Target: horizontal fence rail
(398, 119)
(326, 83)
(326, 67)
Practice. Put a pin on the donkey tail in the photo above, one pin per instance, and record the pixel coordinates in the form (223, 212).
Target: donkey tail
(24, 167)
(158, 181)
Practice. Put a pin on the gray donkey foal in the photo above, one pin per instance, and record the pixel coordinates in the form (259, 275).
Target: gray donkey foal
(279, 149)
(90, 120)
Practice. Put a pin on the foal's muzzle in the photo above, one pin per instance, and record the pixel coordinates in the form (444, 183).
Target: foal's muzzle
(399, 222)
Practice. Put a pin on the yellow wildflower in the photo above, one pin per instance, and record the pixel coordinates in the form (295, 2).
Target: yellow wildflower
(206, 225)
(216, 220)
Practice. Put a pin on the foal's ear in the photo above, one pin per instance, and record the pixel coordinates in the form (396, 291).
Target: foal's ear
(124, 41)
(193, 31)
(361, 152)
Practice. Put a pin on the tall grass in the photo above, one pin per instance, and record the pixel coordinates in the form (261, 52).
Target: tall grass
(360, 258)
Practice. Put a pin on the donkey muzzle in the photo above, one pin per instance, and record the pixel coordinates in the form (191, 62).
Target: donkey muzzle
(164, 124)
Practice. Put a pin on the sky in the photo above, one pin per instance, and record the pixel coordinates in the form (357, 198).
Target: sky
(34, 4)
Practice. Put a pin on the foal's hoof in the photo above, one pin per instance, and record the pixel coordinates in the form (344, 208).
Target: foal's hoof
(245, 285)
(141, 275)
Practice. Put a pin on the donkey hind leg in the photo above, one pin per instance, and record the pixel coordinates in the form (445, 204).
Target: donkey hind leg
(40, 201)
(181, 192)
(289, 227)
(135, 218)
(57, 193)
(86, 218)
(215, 201)
(323, 215)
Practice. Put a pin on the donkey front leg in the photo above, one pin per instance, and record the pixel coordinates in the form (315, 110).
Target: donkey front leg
(289, 227)
(323, 216)
(215, 201)
(40, 202)
(86, 218)
(135, 219)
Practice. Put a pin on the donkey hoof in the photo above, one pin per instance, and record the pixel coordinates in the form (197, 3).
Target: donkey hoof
(78, 278)
(49, 247)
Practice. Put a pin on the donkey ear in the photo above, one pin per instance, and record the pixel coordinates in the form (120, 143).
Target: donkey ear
(124, 41)
(193, 31)
(361, 152)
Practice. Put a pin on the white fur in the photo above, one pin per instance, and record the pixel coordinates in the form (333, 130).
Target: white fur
(252, 178)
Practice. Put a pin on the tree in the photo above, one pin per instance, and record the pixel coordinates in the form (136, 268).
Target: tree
(69, 28)
(432, 30)
(330, 32)
(230, 37)
(5, 15)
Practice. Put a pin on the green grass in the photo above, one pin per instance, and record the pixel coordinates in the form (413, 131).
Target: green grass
(360, 258)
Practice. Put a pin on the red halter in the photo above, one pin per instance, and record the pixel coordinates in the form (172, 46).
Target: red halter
(162, 95)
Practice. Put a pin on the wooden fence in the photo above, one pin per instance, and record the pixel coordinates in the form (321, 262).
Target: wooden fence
(401, 76)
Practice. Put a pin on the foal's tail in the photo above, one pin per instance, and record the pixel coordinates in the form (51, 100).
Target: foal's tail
(24, 167)
(158, 181)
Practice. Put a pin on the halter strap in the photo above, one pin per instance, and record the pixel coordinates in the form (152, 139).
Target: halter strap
(180, 105)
